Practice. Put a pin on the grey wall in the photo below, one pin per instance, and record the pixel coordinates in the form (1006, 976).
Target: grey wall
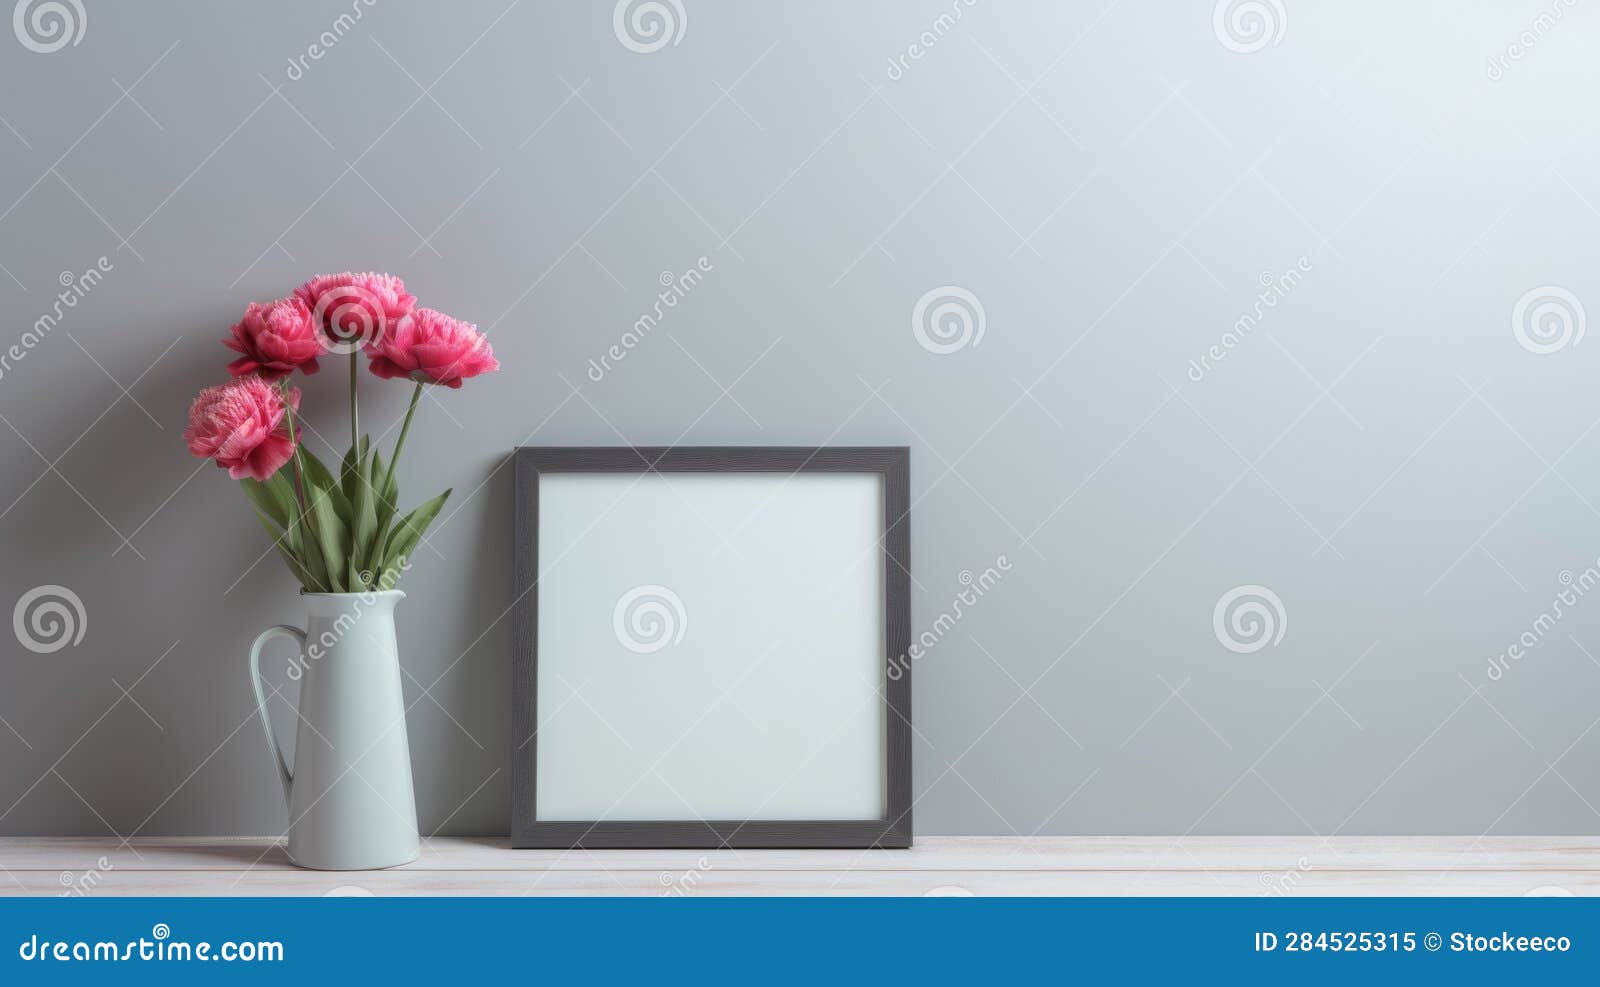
(1384, 448)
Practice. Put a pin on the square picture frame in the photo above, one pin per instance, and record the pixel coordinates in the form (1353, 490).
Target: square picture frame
(598, 766)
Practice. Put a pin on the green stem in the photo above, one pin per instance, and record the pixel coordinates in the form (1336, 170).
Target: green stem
(400, 443)
(355, 414)
(294, 458)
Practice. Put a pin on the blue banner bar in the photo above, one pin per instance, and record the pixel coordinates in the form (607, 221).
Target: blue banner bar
(812, 941)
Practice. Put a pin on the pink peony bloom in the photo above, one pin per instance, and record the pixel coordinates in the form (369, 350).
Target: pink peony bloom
(433, 348)
(276, 339)
(240, 424)
(356, 309)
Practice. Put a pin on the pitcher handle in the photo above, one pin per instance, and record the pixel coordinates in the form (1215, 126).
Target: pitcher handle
(284, 774)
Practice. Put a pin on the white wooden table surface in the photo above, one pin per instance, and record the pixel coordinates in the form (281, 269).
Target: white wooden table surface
(1286, 866)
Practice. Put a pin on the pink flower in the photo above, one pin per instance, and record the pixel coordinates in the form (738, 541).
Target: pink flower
(356, 309)
(276, 339)
(433, 348)
(240, 425)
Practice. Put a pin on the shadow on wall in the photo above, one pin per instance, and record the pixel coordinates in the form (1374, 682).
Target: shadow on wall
(456, 641)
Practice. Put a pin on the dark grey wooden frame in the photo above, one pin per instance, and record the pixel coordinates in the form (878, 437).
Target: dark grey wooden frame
(893, 464)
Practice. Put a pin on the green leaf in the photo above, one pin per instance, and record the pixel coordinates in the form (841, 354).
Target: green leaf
(410, 530)
(274, 498)
(303, 539)
(349, 470)
(364, 526)
(387, 500)
(327, 526)
(332, 541)
(278, 537)
(322, 484)
(389, 496)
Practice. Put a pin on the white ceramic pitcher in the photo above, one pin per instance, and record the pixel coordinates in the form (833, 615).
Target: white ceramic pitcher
(350, 796)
